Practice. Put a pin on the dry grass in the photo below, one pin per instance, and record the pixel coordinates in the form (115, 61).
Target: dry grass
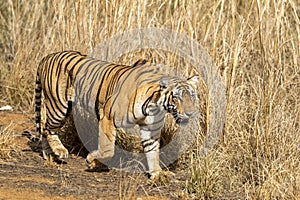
(7, 145)
(255, 45)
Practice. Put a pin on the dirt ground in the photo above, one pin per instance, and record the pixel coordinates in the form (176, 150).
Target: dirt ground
(26, 175)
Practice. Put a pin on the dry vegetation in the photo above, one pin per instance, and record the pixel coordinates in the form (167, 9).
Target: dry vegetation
(7, 145)
(255, 45)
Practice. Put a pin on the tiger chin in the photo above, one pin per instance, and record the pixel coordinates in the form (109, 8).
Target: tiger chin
(124, 96)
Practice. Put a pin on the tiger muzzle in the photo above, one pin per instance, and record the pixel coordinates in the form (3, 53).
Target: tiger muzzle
(181, 119)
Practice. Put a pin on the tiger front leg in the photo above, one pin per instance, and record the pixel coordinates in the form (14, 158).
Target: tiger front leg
(150, 143)
(106, 144)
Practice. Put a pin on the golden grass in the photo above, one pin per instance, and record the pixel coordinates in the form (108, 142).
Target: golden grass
(255, 45)
(7, 145)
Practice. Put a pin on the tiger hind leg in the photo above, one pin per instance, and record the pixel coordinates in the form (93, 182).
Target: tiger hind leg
(52, 121)
(52, 145)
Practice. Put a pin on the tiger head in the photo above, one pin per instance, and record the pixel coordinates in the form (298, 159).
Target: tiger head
(180, 98)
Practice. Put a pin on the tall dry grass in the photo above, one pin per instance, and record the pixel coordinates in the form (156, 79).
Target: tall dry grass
(255, 45)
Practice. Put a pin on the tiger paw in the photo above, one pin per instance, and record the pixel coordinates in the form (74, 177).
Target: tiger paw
(96, 166)
(154, 175)
(57, 147)
(162, 176)
(61, 152)
(91, 164)
(97, 156)
(91, 161)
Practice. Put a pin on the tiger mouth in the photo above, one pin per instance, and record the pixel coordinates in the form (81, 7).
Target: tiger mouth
(181, 119)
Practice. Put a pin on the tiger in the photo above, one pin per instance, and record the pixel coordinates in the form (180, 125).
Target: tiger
(122, 95)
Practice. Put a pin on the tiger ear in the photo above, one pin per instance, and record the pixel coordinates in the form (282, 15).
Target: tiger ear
(193, 81)
(141, 62)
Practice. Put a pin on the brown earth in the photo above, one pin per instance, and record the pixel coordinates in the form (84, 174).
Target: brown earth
(26, 175)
